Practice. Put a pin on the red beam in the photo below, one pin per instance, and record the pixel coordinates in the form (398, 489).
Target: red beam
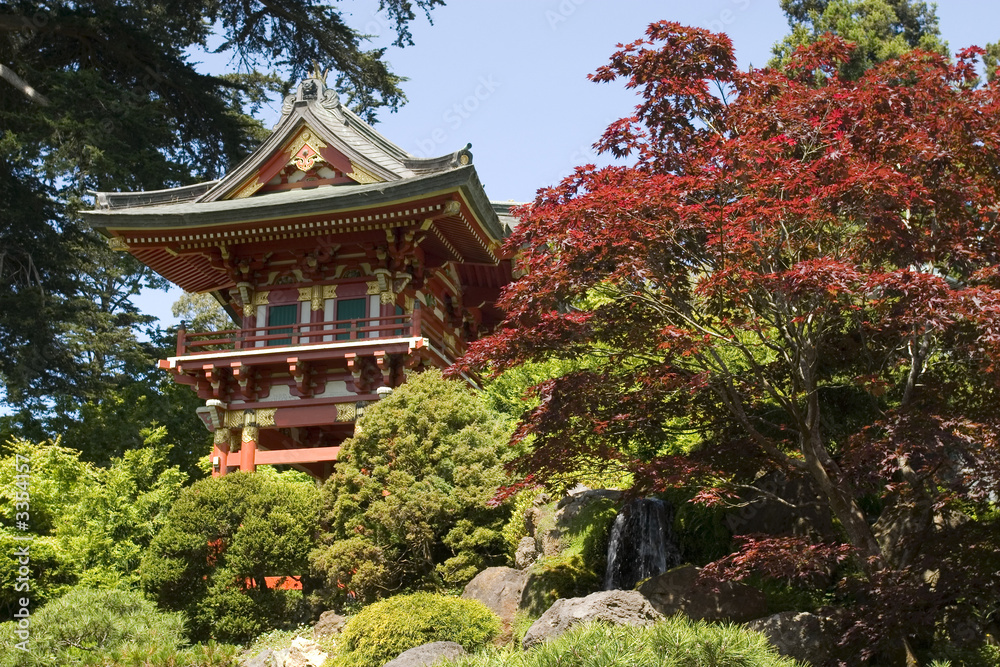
(305, 455)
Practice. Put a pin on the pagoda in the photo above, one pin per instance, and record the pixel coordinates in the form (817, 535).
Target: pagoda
(344, 259)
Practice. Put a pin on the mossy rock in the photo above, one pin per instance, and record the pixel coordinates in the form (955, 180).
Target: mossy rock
(555, 578)
(576, 558)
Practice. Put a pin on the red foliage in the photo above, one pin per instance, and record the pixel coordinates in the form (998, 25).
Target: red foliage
(795, 262)
(791, 559)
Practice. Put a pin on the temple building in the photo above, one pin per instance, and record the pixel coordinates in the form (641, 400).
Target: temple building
(344, 259)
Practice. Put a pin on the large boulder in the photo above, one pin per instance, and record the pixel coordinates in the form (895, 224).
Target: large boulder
(427, 654)
(800, 635)
(616, 607)
(301, 653)
(262, 659)
(330, 623)
(572, 536)
(499, 588)
(784, 506)
(681, 591)
(550, 530)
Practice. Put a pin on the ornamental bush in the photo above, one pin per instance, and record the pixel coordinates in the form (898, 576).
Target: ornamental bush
(408, 505)
(221, 540)
(383, 630)
(87, 623)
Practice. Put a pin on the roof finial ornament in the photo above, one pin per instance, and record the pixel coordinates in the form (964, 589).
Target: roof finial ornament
(319, 74)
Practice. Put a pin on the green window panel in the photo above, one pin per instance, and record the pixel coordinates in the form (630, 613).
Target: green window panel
(277, 315)
(350, 309)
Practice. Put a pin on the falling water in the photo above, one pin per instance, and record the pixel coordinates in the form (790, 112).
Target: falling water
(641, 544)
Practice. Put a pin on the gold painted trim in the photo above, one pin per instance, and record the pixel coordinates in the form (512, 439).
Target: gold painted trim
(373, 288)
(234, 419)
(346, 412)
(260, 298)
(265, 417)
(329, 291)
(305, 293)
(250, 434)
(249, 187)
(363, 176)
(117, 244)
(305, 136)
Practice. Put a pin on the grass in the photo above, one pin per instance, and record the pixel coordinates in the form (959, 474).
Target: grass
(674, 642)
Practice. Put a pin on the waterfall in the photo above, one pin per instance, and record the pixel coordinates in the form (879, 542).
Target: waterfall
(642, 544)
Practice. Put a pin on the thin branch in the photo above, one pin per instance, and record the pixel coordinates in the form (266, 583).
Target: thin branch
(11, 77)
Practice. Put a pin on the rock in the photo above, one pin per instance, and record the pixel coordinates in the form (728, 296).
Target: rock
(905, 525)
(554, 578)
(499, 588)
(302, 653)
(549, 533)
(527, 553)
(798, 635)
(581, 520)
(679, 591)
(803, 513)
(330, 623)
(616, 607)
(428, 654)
(262, 659)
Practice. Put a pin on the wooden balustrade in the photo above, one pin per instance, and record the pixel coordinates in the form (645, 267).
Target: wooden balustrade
(306, 333)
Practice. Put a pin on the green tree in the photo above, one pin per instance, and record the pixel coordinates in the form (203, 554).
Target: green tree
(881, 29)
(87, 525)
(117, 516)
(407, 506)
(201, 312)
(798, 278)
(220, 540)
(55, 481)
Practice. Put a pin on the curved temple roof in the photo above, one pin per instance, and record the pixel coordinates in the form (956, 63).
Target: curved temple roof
(315, 128)
(322, 171)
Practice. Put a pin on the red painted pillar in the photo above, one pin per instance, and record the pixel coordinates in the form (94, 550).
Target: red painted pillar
(415, 324)
(220, 452)
(248, 444)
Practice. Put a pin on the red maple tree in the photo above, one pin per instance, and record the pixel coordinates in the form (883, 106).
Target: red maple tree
(797, 272)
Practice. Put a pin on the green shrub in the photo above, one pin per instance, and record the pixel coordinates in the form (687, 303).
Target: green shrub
(517, 526)
(674, 642)
(201, 655)
(408, 504)
(949, 655)
(222, 538)
(383, 630)
(86, 624)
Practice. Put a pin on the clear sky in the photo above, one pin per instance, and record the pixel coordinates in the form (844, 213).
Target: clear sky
(510, 77)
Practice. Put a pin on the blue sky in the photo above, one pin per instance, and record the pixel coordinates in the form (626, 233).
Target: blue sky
(510, 77)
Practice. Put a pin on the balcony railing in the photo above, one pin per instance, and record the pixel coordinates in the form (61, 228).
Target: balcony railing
(308, 333)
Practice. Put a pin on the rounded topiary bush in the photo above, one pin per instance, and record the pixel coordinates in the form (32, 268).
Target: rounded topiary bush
(383, 630)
